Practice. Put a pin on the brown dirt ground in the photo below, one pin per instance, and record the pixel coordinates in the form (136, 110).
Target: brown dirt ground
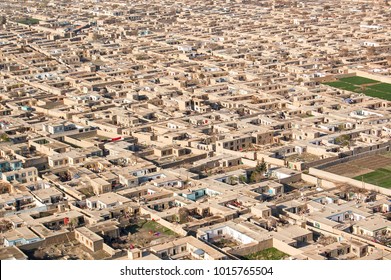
(360, 166)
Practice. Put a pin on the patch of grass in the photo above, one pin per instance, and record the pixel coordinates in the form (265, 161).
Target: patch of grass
(156, 227)
(356, 84)
(378, 94)
(357, 80)
(267, 254)
(387, 168)
(4, 137)
(383, 87)
(342, 85)
(306, 116)
(380, 177)
(28, 21)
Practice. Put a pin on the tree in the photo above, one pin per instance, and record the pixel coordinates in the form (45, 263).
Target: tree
(371, 51)
(40, 253)
(4, 137)
(341, 127)
(183, 215)
(95, 36)
(343, 140)
(233, 180)
(5, 187)
(255, 177)
(344, 52)
(5, 225)
(73, 223)
(43, 4)
(242, 179)
(261, 167)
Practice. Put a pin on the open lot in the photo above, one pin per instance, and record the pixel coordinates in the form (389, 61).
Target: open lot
(225, 242)
(71, 250)
(363, 85)
(304, 157)
(143, 233)
(374, 169)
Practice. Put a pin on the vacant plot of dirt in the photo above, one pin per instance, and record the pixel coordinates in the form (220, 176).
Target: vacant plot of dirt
(372, 162)
(360, 166)
(71, 250)
(143, 233)
(348, 170)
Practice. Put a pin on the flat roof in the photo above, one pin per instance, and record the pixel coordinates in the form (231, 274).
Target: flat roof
(12, 253)
(88, 234)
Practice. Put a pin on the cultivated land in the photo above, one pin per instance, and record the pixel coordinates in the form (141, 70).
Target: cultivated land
(373, 170)
(357, 80)
(359, 84)
(380, 177)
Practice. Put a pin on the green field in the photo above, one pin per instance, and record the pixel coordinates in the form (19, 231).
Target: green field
(378, 94)
(363, 85)
(342, 85)
(380, 177)
(357, 80)
(381, 87)
(267, 254)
